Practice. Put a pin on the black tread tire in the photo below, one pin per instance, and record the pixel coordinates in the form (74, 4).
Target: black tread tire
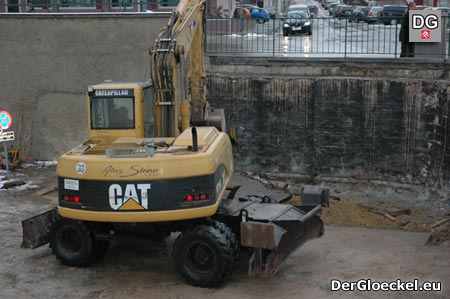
(81, 254)
(217, 244)
(232, 238)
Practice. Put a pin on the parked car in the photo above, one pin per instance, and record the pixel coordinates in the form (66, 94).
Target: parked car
(241, 13)
(299, 7)
(331, 8)
(374, 14)
(259, 14)
(298, 21)
(443, 9)
(272, 11)
(360, 13)
(333, 11)
(313, 9)
(392, 14)
(447, 9)
(326, 3)
(344, 11)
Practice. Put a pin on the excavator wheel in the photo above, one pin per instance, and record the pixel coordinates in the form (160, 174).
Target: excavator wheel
(204, 255)
(73, 243)
(224, 229)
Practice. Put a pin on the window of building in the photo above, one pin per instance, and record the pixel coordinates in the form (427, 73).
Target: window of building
(121, 3)
(78, 3)
(169, 3)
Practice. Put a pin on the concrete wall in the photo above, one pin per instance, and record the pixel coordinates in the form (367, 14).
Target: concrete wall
(362, 118)
(47, 62)
(384, 119)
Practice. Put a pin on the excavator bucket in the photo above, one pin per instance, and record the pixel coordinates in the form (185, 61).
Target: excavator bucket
(35, 232)
(275, 230)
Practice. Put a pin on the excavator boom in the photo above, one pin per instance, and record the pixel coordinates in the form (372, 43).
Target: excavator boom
(178, 70)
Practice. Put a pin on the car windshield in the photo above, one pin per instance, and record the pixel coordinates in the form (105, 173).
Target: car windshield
(297, 14)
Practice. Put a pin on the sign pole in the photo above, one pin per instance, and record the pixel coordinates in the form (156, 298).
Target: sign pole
(5, 124)
(7, 160)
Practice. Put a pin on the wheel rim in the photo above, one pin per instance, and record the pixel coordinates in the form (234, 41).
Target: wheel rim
(70, 240)
(200, 258)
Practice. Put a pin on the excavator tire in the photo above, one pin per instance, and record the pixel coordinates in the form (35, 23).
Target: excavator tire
(224, 229)
(204, 255)
(72, 242)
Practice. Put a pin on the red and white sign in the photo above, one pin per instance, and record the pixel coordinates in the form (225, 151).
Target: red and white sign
(425, 34)
(5, 120)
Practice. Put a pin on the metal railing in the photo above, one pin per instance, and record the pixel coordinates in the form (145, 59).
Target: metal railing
(329, 37)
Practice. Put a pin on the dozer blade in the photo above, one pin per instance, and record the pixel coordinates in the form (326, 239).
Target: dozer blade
(285, 235)
(35, 229)
(273, 230)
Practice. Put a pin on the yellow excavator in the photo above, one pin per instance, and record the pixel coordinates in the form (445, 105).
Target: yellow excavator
(157, 161)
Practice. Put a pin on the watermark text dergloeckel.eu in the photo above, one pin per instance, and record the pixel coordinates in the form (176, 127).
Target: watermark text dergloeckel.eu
(369, 285)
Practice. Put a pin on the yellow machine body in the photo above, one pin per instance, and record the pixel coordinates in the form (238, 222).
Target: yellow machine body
(151, 178)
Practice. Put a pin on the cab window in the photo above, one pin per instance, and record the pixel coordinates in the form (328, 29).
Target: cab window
(112, 113)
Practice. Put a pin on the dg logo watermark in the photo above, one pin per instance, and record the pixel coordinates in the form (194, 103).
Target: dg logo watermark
(425, 26)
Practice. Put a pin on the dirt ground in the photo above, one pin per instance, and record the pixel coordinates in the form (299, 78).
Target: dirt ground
(353, 204)
(357, 244)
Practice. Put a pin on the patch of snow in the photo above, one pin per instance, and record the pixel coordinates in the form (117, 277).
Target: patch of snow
(249, 35)
(39, 164)
(29, 185)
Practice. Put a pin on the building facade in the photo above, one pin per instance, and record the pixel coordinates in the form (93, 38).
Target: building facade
(222, 8)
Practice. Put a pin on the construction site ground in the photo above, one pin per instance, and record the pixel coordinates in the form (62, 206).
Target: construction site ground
(358, 244)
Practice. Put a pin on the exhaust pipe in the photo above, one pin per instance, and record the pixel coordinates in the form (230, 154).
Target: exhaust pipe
(194, 140)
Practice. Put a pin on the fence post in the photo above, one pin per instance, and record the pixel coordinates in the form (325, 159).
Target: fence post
(447, 18)
(396, 40)
(345, 40)
(273, 37)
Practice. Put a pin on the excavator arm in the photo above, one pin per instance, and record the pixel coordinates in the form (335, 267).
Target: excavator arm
(178, 73)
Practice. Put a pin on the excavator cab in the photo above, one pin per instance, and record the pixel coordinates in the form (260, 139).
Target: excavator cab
(120, 110)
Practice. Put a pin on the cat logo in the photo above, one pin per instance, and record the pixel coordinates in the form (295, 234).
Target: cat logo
(130, 199)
